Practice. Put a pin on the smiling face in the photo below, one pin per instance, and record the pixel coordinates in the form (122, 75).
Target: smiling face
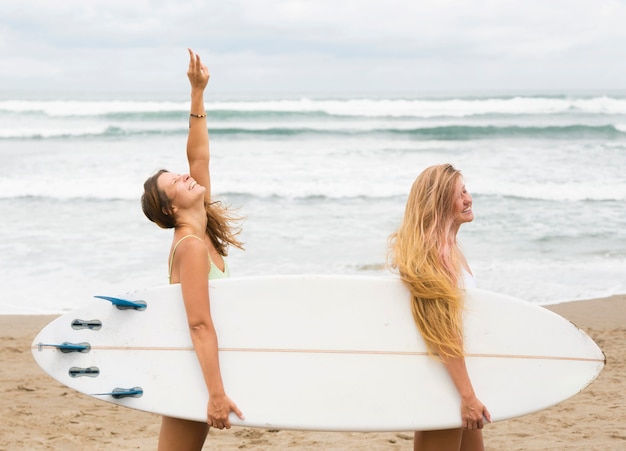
(462, 204)
(180, 190)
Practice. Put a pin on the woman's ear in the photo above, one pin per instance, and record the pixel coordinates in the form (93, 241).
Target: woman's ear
(169, 212)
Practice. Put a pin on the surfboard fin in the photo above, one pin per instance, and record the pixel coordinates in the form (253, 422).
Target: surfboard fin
(93, 324)
(124, 304)
(118, 393)
(92, 371)
(67, 347)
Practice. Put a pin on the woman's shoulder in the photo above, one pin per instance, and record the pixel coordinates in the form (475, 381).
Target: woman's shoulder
(184, 237)
(189, 243)
(188, 250)
(186, 246)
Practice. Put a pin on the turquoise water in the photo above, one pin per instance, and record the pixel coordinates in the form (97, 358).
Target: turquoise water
(322, 183)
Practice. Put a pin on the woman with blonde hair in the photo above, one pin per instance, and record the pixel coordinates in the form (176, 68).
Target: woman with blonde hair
(202, 234)
(425, 252)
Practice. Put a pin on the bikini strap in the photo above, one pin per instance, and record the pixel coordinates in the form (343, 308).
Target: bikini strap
(174, 251)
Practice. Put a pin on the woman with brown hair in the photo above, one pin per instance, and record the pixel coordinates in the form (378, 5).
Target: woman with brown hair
(425, 252)
(203, 232)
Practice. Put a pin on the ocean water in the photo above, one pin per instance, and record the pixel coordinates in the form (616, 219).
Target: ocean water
(321, 182)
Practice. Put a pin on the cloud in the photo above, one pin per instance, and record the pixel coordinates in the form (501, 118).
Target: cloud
(315, 46)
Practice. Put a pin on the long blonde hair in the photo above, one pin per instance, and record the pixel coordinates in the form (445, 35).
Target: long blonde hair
(426, 255)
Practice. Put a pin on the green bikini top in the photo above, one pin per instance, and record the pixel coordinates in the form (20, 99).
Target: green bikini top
(214, 272)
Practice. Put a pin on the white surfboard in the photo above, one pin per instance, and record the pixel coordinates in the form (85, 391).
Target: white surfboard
(333, 353)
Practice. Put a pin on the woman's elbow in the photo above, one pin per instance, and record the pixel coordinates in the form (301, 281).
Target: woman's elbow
(201, 328)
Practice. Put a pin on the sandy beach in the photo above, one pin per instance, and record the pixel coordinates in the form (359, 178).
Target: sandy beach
(40, 414)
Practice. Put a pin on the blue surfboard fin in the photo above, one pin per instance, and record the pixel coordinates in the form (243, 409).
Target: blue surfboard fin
(67, 347)
(118, 393)
(124, 304)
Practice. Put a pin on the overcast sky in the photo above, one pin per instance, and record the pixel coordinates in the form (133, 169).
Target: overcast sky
(313, 46)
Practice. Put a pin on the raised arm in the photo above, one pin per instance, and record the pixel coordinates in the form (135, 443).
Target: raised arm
(198, 137)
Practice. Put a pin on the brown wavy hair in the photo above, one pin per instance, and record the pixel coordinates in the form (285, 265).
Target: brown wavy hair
(425, 253)
(221, 225)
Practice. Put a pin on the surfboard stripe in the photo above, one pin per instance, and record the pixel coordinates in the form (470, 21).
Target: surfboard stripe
(334, 351)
